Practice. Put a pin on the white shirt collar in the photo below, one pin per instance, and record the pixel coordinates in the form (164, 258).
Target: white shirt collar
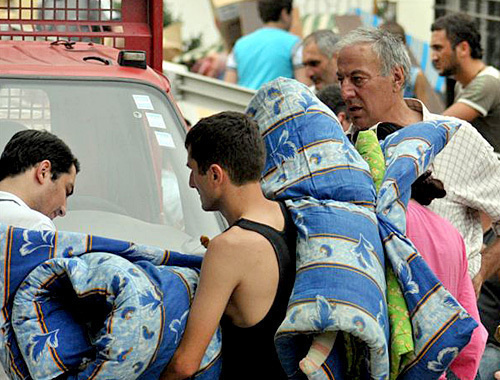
(12, 197)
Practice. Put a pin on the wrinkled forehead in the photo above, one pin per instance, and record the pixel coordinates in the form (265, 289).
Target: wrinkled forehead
(312, 51)
(358, 57)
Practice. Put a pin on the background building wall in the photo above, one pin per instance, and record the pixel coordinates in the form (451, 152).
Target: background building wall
(415, 16)
(196, 17)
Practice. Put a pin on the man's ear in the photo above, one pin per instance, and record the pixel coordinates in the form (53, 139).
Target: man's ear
(398, 77)
(462, 49)
(286, 17)
(43, 171)
(216, 173)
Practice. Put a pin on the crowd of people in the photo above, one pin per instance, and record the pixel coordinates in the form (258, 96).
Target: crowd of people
(367, 79)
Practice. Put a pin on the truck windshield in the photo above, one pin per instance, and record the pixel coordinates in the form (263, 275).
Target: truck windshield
(133, 183)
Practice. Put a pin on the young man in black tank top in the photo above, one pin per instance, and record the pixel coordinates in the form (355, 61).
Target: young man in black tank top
(248, 271)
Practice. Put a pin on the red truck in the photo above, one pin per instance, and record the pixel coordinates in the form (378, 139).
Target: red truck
(91, 74)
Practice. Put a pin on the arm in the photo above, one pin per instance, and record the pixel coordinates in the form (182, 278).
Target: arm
(219, 277)
(480, 192)
(461, 111)
(475, 99)
(421, 85)
(231, 76)
(490, 264)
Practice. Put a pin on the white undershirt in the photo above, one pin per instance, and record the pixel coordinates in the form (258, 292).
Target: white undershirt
(14, 212)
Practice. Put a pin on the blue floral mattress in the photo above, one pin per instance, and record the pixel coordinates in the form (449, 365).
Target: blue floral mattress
(347, 234)
(93, 308)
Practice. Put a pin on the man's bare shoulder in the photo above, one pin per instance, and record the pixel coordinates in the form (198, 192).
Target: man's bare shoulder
(237, 241)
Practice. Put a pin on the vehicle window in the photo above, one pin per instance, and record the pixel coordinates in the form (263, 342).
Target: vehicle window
(133, 182)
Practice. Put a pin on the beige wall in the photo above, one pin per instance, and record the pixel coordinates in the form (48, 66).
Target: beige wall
(197, 18)
(416, 16)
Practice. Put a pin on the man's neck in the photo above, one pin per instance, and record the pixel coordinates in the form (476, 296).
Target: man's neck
(276, 25)
(399, 114)
(468, 71)
(245, 201)
(404, 115)
(15, 186)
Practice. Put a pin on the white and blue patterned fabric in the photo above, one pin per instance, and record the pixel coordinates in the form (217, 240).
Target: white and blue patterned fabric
(441, 326)
(87, 307)
(342, 235)
(340, 282)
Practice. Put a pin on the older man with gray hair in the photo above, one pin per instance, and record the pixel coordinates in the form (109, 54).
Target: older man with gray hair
(373, 67)
(319, 58)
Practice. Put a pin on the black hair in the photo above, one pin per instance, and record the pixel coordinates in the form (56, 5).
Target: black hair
(460, 27)
(332, 97)
(270, 10)
(29, 147)
(231, 140)
(426, 188)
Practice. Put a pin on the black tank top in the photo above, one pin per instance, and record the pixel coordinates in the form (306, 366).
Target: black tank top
(249, 352)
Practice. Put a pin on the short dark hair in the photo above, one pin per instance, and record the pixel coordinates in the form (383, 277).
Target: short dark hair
(426, 188)
(460, 27)
(29, 147)
(270, 10)
(231, 140)
(332, 97)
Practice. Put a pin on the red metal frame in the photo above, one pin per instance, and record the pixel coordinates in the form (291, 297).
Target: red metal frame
(125, 24)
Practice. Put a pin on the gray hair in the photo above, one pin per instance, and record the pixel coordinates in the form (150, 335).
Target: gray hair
(325, 39)
(389, 49)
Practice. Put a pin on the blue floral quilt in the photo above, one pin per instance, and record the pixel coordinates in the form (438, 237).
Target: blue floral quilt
(346, 236)
(88, 307)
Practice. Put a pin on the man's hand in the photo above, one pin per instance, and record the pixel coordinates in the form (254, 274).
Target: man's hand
(175, 372)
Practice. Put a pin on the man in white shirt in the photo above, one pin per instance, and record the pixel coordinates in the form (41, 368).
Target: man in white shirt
(37, 174)
(373, 67)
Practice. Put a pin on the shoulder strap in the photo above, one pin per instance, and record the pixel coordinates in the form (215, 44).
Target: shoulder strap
(280, 240)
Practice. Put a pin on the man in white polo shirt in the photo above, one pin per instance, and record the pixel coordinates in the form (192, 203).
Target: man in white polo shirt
(37, 174)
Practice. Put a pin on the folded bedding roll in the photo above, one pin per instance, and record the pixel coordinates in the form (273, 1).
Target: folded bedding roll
(345, 234)
(340, 282)
(82, 306)
(69, 318)
(437, 340)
